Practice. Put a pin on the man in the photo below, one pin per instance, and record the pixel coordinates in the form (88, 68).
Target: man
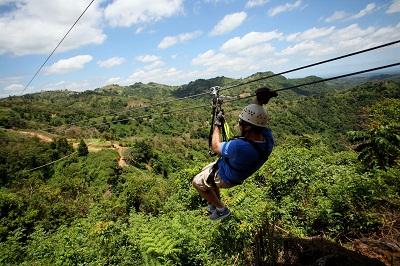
(240, 158)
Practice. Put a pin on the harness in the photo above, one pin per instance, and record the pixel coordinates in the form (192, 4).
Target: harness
(263, 156)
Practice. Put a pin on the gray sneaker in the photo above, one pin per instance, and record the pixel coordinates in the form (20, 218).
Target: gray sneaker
(211, 208)
(215, 216)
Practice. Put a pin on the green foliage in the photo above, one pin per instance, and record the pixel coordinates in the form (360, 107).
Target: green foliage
(83, 148)
(380, 144)
(19, 154)
(61, 148)
(158, 246)
(85, 242)
(13, 249)
(88, 210)
(317, 192)
(140, 154)
(143, 193)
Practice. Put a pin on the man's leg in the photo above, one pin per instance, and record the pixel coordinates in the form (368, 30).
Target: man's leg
(216, 190)
(211, 195)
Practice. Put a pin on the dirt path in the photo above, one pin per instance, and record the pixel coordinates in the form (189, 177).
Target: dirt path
(40, 136)
(121, 160)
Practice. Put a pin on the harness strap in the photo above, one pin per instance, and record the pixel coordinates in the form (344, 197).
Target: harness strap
(263, 156)
(262, 153)
(211, 177)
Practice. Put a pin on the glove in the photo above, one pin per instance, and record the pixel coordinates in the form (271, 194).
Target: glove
(264, 94)
(220, 118)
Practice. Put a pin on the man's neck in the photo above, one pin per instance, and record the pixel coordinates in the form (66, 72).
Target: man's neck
(253, 136)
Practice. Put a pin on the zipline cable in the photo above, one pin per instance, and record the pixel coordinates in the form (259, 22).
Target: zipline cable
(242, 98)
(254, 80)
(36, 168)
(327, 79)
(37, 72)
(241, 84)
(315, 64)
(195, 107)
(343, 76)
(148, 116)
(126, 111)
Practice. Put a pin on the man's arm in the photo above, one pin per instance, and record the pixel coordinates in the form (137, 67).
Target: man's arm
(263, 95)
(216, 140)
(257, 102)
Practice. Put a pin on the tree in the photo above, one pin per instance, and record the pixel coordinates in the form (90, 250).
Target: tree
(379, 143)
(61, 148)
(140, 154)
(82, 148)
(104, 126)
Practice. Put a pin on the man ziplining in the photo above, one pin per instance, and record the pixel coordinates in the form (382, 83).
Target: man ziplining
(239, 158)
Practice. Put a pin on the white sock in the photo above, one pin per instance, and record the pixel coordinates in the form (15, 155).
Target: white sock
(221, 209)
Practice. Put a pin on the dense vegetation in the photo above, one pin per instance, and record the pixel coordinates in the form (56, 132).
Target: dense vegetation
(332, 179)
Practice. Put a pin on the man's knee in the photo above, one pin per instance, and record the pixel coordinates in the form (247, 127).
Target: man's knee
(199, 184)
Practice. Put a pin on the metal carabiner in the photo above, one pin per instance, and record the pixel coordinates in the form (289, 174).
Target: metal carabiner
(216, 100)
(215, 91)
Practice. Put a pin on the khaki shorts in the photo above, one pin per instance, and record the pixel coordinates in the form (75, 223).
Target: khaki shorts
(200, 180)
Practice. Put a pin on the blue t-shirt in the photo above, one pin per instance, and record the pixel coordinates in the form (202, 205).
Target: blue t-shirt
(242, 157)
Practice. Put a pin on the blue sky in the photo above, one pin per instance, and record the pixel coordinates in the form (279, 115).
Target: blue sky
(174, 42)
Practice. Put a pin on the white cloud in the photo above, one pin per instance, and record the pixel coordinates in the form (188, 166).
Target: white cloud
(345, 40)
(184, 37)
(351, 32)
(14, 87)
(268, 62)
(218, 63)
(111, 62)
(394, 7)
(202, 58)
(284, 8)
(338, 15)
(69, 65)
(139, 30)
(370, 8)
(253, 3)
(251, 39)
(160, 75)
(303, 47)
(147, 58)
(380, 35)
(168, 42)
(36, 27)
(229, 23)
(154, 65)
(313, 33)
(257, 50)
(342, 15)
(114, 80)
(125, 13)
(81, 85)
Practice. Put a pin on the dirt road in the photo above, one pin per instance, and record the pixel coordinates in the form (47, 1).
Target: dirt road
(121, 160)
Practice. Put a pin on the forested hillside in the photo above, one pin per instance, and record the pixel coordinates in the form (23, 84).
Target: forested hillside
(103, 177)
